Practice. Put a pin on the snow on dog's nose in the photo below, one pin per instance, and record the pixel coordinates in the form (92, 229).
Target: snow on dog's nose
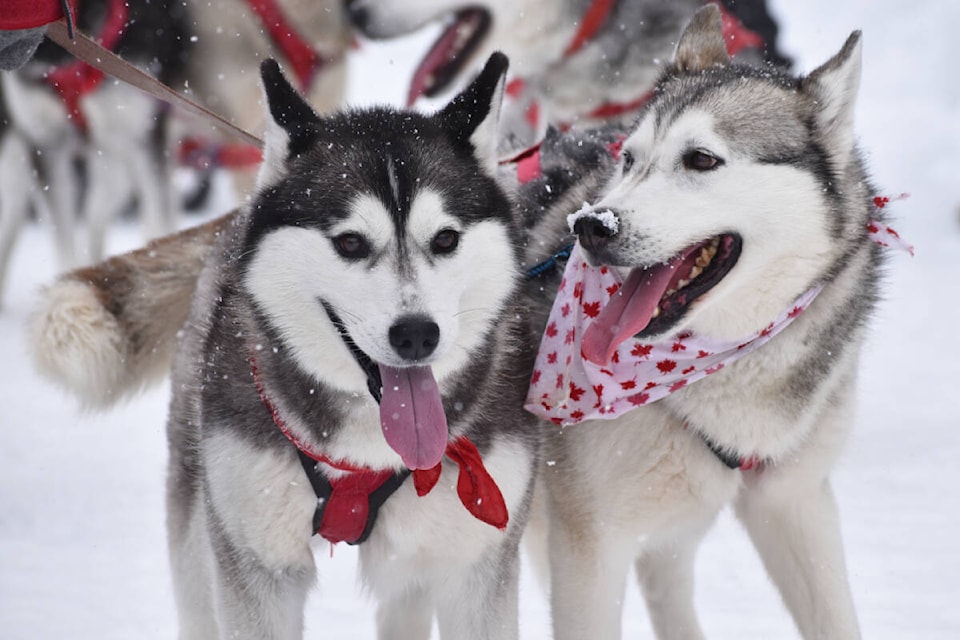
(594, 228)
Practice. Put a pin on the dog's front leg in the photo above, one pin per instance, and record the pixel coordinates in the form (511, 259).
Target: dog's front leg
(665, 570)
(793, 521)
(588, 574)
(408, 616)
(259, 513)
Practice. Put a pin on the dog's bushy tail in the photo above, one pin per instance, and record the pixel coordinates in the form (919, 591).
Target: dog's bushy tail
(106, 331)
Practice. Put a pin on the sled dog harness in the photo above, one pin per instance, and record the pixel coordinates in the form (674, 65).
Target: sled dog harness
(566, 388)
(735, 34)
(348, 503)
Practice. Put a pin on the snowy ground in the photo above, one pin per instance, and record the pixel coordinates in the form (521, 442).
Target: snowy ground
(82, 543)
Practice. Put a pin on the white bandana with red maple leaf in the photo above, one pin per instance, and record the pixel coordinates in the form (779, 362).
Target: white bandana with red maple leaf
(566, 388)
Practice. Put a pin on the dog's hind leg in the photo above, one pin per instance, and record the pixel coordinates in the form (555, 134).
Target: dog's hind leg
(665, 572)
(109, 192)
(405, 617)
(792, 518)
(15, 186)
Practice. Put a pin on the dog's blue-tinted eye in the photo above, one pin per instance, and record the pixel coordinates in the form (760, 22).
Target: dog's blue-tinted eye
(351, 245)
(445, 241)
(700, 161)
(627, 158)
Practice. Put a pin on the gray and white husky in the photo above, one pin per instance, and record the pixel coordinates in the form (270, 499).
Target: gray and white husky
(739, 192)
(376, 265)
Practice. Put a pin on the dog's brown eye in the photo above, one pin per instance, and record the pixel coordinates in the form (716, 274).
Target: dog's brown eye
(352, 245)
(445, 241)
(700, 161)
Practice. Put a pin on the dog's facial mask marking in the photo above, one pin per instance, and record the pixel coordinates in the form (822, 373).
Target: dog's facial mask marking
(379, 246)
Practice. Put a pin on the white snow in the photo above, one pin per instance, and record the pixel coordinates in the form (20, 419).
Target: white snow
(606, 217)
(82, 542)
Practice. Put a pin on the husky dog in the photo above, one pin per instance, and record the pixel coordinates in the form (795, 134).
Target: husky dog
(377, 263)
(574, 61)
(738, 196)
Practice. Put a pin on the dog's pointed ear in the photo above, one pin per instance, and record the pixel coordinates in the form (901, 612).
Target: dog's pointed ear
(473, 116)
(291, 123)
(701, 44)
(833, 88)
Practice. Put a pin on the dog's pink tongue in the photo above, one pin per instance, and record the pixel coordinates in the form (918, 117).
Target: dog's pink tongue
(424, 77)
(628, 312)
(412, 417)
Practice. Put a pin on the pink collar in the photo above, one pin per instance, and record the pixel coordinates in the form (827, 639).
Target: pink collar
(566, 388)
(346, 510)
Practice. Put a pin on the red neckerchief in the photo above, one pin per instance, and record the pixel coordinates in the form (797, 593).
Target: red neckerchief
(76, 79)
(736, 36)
(347, 510)
(304, 60)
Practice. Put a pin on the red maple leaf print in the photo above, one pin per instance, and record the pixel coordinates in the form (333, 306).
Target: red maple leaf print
(592, 309)
(880, 201)
(552, 330)
(795, 312)
(666, 366)
(715, 369)
(577, 415)
(650, 385)
(607, 372)
(641, 350)
(552, 357)
(536, 377)
(575, 392)
(568, 339)
(678, 346)
(767, 331)
(612, 289)
(604, 270)
(893, 233)
(639, 399)
(557, 421)
(676, 386)
(563, 285)
(578, 290)
(546, 406)
(565, 310)
(689, 370)
(703, 354)
(559, 384)
(616, 357)
(872, 228)
(598, 390)
(629, 384)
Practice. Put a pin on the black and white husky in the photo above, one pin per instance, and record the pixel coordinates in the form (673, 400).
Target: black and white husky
(734, 218)
(354, 366)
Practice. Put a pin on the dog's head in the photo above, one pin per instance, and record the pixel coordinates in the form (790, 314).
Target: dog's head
(384, 230)
(726, 204)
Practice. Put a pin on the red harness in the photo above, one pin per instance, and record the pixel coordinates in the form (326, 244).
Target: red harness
(304, 60)
(737, 37)
(347, 510)
(74, 80)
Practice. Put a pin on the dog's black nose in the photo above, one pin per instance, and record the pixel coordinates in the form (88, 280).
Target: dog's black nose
(358, 13)
(593, 233)
(415, 337)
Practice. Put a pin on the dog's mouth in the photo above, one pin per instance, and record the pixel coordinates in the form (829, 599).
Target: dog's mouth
(654, 299)
(411, 408)
(448, 55)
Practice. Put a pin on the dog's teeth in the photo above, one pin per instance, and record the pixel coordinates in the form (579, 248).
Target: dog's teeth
(682, 283)
(696, 271)
(656, 312)
(670, 292)
(705, 257)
